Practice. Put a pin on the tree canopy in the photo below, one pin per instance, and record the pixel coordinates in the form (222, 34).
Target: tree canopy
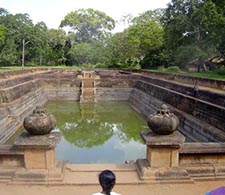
(195, 26)
(187, 31)
(88, 24)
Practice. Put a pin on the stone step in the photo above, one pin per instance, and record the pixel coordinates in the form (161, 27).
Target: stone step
(36, 176)
(87, 174)
(100, 167)
(8, 129)
(71, 174)
(88, 83)
(87, 100)
(88, 91)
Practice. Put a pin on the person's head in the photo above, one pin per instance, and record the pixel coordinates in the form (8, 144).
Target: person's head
(107, 180)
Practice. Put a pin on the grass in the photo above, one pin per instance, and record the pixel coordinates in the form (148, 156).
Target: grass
(210, 75)
(7, 68)
(12, 68)
(216, 74)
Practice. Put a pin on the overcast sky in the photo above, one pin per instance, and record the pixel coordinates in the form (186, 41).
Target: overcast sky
(53, 11)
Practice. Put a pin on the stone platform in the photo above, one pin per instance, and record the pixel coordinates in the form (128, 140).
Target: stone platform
(70, 174)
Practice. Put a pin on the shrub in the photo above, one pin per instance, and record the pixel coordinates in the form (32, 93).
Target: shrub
(221, 71)
(173, 69)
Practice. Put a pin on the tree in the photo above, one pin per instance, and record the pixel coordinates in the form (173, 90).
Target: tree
(191, 24)
(134, 46)
(56, 43)
(9, 54)
(89, 31)
(220, 5)
(88, 24)
(19, 27)
(150, 15)
(3, 32)
(120, 50)
(40, 43)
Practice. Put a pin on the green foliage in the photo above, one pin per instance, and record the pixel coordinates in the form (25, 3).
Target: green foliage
(87, 53)
(196, 25)
(161, 69)
(215, 74)
(88, 36)
(173, 69)
(187, 31)
(221, 71)
(210, 74)
(150, 15)
(3, 32)
(56, 41)
(9, 54)
(40, 44)
(189, 54)
(88, 24)
(138, 46)
(17, 28)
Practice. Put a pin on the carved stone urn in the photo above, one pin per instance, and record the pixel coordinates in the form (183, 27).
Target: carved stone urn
(40, 122)
(163, 122)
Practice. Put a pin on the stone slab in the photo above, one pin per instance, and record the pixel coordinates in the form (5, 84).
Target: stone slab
(161, 175)
(163, 150)
(49, 141)
(175, 139)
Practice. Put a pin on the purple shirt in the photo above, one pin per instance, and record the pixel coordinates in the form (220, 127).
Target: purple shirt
(218, 191)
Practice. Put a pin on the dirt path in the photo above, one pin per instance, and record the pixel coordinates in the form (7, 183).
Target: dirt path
(198, 188)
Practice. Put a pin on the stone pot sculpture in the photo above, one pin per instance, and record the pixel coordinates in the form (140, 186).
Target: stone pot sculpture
(163, 122)
(40, 122)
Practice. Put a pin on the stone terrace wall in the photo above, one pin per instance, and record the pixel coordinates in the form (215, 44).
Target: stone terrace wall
(22, 73)
(61, 85)
(213, 97)
(214, 115)
(113, 86)
(199, 120)
(21, 92)
(218, 84)
(16, 106)
(14, 92)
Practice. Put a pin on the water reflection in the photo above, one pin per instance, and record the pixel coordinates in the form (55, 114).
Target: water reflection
(87, 133)
(98, 133)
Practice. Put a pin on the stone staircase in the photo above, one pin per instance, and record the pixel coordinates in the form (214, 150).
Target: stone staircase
(70, 174)
(87, 88)
(87, 174)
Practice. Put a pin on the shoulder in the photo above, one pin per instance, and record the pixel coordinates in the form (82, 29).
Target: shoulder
(97, 193)
(114, 193)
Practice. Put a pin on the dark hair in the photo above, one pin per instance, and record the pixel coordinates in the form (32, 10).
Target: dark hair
(107, 180)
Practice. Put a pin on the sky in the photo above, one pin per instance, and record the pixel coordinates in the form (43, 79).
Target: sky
(52, 12)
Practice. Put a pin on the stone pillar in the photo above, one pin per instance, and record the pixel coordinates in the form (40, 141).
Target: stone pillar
(163, 144)
(39, 150)
(163, 150)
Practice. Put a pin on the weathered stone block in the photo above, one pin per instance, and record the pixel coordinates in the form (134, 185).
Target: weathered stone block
(39, 150)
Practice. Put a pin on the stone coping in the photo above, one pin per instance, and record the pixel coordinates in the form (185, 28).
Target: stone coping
(49, 141)
(10, 150)
(152, 139)
(203, 148)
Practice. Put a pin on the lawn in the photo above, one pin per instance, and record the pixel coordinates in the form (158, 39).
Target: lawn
(216, 74)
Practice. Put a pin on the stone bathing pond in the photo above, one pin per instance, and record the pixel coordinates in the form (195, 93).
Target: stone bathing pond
(106, 132)
(98, 133)
(107, 102)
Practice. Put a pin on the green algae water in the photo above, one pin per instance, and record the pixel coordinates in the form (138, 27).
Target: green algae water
(98, 132)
